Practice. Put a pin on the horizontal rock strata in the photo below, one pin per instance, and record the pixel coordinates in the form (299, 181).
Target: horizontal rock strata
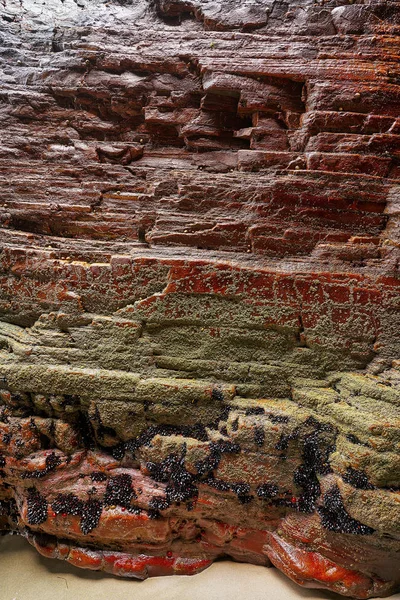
(199, 291)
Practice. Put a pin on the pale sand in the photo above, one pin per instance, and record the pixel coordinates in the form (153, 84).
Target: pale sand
(25, 575)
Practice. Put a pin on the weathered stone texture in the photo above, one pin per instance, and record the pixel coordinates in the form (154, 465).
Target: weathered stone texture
(199, 291)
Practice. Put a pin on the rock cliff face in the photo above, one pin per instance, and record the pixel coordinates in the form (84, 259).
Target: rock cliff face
(199, 293)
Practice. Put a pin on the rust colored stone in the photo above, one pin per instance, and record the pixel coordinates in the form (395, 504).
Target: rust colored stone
(199, 286)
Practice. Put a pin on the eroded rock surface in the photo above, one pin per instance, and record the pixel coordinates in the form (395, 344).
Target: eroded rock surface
(199, 293)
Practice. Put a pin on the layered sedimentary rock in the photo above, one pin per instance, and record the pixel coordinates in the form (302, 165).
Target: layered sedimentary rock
(199, 293)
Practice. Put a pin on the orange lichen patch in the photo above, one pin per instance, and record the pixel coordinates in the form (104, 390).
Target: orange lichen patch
(84, 558)
(308, 568)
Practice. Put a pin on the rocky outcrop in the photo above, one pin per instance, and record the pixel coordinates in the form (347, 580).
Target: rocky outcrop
(199, 292)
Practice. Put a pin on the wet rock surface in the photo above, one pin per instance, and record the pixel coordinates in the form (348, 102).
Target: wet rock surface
(199, 293)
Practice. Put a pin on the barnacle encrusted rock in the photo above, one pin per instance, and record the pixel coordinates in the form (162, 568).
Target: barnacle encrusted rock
(199, 292)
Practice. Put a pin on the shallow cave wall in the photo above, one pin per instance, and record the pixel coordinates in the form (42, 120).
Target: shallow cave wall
(199, 292)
